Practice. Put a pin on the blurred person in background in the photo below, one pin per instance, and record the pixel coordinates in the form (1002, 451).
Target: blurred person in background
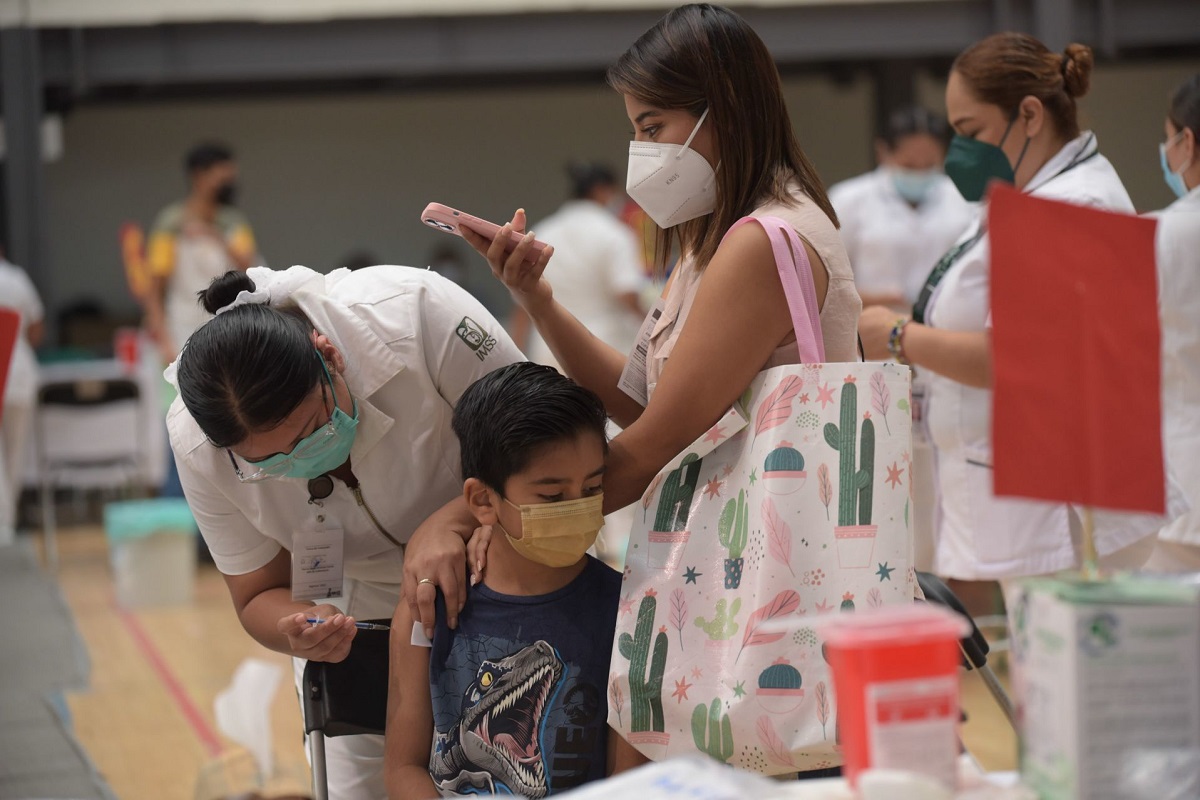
(18, 294)
(1012, 104)
(597, 273)
(897, 221)
(194, 241)
(1178, 248)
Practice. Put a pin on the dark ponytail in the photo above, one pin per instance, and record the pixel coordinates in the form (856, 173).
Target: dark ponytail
(244, 371)
(1185, 106)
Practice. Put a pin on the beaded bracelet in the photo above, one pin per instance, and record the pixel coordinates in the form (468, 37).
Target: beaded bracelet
(896, 341)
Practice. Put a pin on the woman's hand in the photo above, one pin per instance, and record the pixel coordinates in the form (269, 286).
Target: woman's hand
(522, 276)
(875, 327)
(477, 552)
(328, 640)
(434, 559)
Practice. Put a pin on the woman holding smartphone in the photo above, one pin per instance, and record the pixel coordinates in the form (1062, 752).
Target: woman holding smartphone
(712, 143)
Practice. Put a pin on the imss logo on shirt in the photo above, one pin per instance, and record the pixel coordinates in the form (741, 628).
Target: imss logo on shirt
(475, 337)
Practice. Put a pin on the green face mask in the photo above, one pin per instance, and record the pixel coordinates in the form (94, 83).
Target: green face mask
(972, 164)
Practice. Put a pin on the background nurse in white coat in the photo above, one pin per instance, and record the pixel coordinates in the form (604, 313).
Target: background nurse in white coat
(1178, 246)
(897, 221)
(1011, 102)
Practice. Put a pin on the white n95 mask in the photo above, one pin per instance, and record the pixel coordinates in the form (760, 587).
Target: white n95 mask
(671, 182)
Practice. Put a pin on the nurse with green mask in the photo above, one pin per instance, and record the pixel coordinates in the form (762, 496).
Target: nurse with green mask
(312, 435)
(1012, 104)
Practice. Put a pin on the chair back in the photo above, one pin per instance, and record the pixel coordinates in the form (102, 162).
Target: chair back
(349, 697)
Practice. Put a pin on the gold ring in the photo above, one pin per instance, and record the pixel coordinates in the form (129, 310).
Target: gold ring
(426, 580)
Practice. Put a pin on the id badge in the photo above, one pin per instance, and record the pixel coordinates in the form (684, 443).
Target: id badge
(633, 377)
(317, 564)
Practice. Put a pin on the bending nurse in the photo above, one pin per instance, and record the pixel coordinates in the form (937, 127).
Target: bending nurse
(312, 434)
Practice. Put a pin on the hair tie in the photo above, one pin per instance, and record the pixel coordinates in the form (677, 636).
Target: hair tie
(258, 297)
(1066, 60)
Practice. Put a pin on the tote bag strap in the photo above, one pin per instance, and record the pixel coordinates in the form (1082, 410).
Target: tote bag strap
(795, 273)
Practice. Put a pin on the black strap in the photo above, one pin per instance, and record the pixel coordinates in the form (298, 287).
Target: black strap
(939, 272)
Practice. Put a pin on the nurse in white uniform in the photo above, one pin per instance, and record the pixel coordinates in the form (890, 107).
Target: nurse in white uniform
(897, 221)
(1178, 246)
(312, 434)
(1011, 102)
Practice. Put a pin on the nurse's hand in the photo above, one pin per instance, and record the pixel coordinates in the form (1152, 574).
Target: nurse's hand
(875, 327)
(434, 559)
(521, 276)
(328, 640)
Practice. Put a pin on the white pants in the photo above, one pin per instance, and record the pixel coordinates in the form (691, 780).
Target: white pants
(353, 764)
(14, 433)
(1174, 557)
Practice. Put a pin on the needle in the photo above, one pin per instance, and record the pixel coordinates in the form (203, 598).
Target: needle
(362, 626)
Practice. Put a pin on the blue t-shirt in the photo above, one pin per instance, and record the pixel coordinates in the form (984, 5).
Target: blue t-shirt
(518, 690)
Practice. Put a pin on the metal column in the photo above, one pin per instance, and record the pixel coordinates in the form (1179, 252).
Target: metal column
(21, 101)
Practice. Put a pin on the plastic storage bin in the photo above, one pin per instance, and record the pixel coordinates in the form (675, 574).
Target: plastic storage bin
(152, 544)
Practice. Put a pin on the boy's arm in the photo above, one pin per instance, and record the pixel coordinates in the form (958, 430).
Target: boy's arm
(409, 715)
(622, 755)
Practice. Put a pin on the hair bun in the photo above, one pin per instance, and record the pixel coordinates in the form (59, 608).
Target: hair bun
(224, 290)
(1077, 69)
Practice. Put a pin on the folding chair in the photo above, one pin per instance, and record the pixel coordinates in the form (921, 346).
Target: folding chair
(75, 411)
(345, 699)
(974, 646)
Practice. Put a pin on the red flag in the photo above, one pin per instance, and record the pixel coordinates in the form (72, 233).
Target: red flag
(10, 329)
(1077, 402)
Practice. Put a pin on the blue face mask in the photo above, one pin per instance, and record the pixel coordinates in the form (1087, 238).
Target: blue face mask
(325, 449)
(914, 185)
(1174, 178)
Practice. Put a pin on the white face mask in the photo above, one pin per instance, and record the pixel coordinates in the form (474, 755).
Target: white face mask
(671, 182)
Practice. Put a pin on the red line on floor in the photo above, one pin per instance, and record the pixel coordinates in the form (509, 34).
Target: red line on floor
(208, 737)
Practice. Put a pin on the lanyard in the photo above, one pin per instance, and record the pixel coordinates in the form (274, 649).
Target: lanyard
(921, 308)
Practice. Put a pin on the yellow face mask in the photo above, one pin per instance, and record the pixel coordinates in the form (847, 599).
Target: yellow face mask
(558, 534)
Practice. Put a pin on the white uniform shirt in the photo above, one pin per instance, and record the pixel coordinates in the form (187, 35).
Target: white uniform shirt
(596, 259)
(981, 536)
(413, 342)
(892, 245)
(18, 293)
(1178, 245)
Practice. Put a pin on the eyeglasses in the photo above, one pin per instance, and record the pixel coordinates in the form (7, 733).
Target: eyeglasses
(310, 445)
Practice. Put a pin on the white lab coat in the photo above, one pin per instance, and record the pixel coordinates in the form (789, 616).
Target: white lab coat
(20, 394)
(596, 259)
(892, 245)
(1178, 246)
(981, 536)
(401, 331)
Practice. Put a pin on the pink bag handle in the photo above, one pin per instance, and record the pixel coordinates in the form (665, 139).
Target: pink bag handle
(795, 273)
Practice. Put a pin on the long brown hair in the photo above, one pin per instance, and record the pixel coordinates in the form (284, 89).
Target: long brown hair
(1005, 68)
(705, 56)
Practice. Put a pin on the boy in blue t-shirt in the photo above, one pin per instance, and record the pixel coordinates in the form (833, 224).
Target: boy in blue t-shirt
(513, 701)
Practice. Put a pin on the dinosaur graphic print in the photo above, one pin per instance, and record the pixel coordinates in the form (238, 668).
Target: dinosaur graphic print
(496, 745)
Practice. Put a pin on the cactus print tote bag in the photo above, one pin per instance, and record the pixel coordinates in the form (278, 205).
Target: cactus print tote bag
(795, 504)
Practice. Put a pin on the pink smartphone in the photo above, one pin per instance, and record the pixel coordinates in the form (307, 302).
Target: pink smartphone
(447, 219)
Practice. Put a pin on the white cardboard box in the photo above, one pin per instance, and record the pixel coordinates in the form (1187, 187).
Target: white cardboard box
(1101, 672)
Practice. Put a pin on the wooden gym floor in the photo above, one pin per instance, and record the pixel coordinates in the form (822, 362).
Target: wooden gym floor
(146, 719)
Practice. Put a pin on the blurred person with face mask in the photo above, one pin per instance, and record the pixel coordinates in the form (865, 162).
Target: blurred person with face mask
(898, 219)
(1177, 245)
(194, 241)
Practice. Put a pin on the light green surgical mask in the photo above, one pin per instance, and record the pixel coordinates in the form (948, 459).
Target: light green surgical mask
(325, 449)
